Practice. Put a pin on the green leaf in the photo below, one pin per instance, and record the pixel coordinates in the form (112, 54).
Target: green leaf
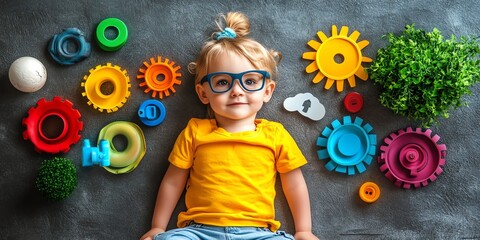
(422, 75)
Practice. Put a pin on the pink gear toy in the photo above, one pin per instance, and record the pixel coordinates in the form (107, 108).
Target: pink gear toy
(412, 158)
(38, 118)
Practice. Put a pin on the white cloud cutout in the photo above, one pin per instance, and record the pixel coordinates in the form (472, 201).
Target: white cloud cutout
(306, 104)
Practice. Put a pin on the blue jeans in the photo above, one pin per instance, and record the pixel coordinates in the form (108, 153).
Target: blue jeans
(196, 231)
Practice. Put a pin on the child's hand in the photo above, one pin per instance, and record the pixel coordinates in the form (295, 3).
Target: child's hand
(150, 234)
(305, 236)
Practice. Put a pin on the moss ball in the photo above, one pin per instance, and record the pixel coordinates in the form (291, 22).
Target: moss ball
(57, 178)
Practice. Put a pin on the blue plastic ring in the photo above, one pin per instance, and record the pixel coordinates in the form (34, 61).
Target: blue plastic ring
(152, 112)
(59, 43)
(348, 145)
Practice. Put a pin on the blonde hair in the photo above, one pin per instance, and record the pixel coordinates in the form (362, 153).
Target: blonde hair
(253, 51)
(260, 57)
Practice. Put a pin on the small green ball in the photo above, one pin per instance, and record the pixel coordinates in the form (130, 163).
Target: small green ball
(57, 178)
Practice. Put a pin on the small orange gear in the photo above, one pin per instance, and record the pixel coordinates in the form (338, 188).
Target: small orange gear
(159, 76)
(103, 75)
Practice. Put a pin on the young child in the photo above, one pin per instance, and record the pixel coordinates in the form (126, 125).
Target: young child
(228, 164)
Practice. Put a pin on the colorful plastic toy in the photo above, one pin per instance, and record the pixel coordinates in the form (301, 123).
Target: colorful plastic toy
(159, 76)
(353, 102)
(96, 155)
(152, 112)
(412, 158)
(337, 58)
(58, 47)
(100, 77)
(369, 192)
(48, 112)
(27, 74)
(128, 159)
(306, 104)
(349, 146)
(112, 44)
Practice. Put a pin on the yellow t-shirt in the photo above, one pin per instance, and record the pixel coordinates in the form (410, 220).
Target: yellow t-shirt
(232, 175)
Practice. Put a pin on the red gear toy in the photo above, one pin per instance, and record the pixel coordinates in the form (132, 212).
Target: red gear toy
(35, 121)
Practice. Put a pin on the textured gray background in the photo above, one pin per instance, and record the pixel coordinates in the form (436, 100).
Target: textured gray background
(107, 206)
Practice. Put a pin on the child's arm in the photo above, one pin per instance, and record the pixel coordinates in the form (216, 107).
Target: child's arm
(296, 193)
(169, 193)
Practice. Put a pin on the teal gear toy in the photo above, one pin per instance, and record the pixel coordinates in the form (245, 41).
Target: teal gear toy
(347, 146)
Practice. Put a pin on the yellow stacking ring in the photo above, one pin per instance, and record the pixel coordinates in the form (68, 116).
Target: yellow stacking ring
(127, 160)
(96, 81)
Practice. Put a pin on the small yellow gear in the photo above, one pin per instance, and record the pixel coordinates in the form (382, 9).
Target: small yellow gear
(106, 87)
(337, 58)
(159, 76)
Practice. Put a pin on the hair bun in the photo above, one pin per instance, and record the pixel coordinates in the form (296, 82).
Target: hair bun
(237, 21)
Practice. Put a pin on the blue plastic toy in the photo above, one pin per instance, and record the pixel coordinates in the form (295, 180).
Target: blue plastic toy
(349, 146)
(152, 112)
(96, 155)
(58, 47)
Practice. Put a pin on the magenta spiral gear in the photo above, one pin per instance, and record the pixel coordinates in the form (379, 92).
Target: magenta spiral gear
(412, 158)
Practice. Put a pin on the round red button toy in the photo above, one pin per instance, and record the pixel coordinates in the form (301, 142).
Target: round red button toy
(353, 102)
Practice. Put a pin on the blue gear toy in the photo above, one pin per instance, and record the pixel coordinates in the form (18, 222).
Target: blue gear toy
(349, 146)
(96, 155)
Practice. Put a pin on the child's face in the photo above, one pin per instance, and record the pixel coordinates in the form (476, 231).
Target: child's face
(235, 104)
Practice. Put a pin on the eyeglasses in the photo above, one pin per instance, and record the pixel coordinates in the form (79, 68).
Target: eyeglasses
(251, 81)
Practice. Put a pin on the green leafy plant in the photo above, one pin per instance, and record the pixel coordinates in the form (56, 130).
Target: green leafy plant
(422, 76)
(57, 178)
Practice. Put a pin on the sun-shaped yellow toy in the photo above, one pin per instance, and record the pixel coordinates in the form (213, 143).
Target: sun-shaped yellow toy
(337, 58)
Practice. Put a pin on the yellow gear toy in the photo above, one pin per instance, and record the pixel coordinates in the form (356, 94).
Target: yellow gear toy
(160, 77)
(106, 87)
(337, 58)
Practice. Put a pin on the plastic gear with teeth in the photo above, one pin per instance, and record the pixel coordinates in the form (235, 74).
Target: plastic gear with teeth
(412, 158)
(337, 58)
(100, 96)
(39, 116)
(348, 147)
(159, 77)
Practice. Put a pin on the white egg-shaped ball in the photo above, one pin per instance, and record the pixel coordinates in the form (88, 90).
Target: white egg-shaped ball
(27, 74)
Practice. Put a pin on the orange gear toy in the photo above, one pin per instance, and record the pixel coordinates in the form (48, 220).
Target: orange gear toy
(44, 114)
(96, 86)
(160, 77)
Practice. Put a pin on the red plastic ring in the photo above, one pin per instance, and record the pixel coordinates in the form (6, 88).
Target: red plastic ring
(35, 121)
(353, 102)
(64, 127)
